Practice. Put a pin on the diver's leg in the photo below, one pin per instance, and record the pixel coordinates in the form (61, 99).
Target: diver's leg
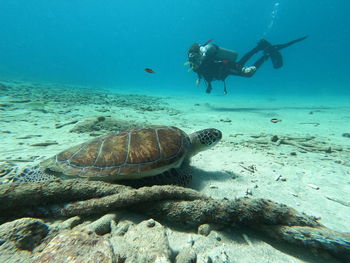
(260, 61)
(248, 55)
(262, 45)
(209, 87)
(225, 90)
(270, 51)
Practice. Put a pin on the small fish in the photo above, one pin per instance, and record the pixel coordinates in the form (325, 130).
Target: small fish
(149, 70)
(225, 62)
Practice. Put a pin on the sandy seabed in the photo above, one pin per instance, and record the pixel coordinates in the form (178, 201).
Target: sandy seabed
(302, 160)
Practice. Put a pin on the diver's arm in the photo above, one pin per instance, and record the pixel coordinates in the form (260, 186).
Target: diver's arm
(235, 71)
(244, 71)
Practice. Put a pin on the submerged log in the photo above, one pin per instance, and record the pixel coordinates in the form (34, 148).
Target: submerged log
(176, 204)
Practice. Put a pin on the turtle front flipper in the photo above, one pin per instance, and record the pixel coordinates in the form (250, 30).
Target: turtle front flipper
(32, 174)
(7, 171)
(177, 176)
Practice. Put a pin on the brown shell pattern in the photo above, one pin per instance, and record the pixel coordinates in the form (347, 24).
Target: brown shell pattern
(129, 153)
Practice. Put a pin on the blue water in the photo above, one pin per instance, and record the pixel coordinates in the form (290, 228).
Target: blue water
(109, 43)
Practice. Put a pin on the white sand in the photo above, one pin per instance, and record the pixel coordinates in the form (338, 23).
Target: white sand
(220, 172)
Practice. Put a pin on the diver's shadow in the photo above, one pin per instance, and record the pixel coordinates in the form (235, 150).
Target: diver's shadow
(257, 109)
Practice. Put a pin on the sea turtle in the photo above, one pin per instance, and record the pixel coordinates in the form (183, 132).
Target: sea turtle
(153, 154)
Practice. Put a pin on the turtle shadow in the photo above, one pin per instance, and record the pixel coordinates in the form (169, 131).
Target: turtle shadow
(201, 178)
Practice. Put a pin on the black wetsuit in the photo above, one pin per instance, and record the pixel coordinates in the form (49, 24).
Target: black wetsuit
(210, 68)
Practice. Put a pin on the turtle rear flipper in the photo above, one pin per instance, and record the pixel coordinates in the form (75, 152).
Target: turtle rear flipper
(176, 176)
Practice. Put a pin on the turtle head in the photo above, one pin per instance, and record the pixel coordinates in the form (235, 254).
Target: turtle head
(204, 139)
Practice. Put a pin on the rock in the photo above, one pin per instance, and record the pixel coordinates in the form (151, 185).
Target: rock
(274, 138)
(59, 126)
(70, 223)
(329, 150)
(204, 229)
(102, 226)
(44, 144)
(121, 228)
(187, 255)
(101, 118)
(76, 246)
(220, 257)
(24, 233)
(207, 259)
(143, 244)
(10, 254)
(4, 87)
(151, 223)
(275, 120)
(18, 238)
(225, 120)
(346, 135)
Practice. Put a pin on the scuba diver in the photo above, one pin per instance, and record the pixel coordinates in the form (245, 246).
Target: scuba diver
(212, 62)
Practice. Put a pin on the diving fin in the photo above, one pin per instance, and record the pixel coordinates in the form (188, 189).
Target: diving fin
(273, 51)
(279, 47)
(276, 58)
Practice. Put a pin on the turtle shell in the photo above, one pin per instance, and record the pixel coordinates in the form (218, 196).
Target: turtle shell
(130, 154)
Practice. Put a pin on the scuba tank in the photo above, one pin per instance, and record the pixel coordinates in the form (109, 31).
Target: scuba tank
(225, 54)
(212, 51)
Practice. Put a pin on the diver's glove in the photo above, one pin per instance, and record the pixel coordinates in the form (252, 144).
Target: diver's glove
(249, 70)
